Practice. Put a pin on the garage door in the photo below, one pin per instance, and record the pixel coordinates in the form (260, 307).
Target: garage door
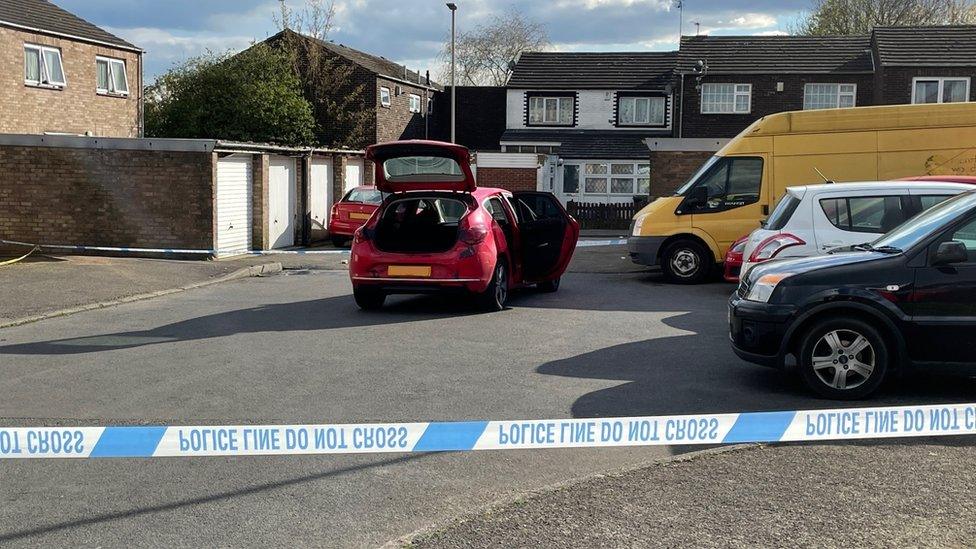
(281, 202)
(320, 191)
(354, 173)
(233, 205)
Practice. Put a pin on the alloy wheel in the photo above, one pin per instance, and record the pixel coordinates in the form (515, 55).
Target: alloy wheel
(843, 359)
(501, 285)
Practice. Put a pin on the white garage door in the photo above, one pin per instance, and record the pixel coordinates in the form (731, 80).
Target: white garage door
(281, 202)
(320, 191)
(233, 204)
(354, 173)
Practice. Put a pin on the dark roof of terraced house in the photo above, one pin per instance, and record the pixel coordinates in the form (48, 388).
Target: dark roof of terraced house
(44, 17)
(938, 46)
(777, 54)
(592, 70)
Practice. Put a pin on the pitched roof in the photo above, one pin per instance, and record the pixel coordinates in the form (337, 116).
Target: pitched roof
(44, 16)
(373, 63)
(781, 54)
(597, 144)
(592, 70)
(943, 46)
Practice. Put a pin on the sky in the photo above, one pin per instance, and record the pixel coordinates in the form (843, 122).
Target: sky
(412, 32)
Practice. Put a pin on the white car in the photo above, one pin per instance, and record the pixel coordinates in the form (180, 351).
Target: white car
(813, 219)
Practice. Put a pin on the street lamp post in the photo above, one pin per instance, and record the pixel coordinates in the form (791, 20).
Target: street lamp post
(453, 7)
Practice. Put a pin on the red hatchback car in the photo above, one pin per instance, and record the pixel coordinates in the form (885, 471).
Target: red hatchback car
(438, 232)
(352, 212)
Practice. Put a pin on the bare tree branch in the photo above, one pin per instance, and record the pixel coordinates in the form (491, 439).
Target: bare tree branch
(846, 17)
(483, 55)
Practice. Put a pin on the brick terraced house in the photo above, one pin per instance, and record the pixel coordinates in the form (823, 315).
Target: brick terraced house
(60, 74)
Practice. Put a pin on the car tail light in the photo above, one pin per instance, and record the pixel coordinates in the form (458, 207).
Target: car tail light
(362, 234)
(769, 248)
(473, 234)
(738, 247)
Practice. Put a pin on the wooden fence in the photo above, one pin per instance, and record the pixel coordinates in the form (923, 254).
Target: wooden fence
(604, 216)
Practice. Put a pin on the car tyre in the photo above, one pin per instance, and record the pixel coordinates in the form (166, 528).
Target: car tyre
(496, 294)
(548, 286)
(843, 358)
(339, 241)
(367, 299)
(686, 261)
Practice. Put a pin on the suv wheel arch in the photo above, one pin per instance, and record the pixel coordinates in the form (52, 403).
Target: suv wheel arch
(854, 309)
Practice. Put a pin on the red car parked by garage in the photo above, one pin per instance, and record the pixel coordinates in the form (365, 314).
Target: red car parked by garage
(438, 232)
(352, 212)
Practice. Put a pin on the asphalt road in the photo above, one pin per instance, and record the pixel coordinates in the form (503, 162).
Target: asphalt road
(294, 349)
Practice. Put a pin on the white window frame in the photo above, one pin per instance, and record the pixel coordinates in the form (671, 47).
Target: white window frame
(736, 93)
(559, 108)
(838, 94)
(45, 81)
(414, 103)
(650, 99)
(634, 176)
(388, 100)
(941, 80)
(111, 61)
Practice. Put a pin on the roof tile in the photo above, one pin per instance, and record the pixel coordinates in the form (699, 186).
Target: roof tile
(45, 16)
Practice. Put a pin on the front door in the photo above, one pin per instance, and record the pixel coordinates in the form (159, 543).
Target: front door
(945, 304)
(546, 234)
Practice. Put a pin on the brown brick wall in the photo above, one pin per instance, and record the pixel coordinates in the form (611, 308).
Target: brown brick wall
(512, 179)
(396, 121)
(76, 108)
(670, 169)
(107, 197)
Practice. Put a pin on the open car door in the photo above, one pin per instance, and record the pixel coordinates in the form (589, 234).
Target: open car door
(548, 235)
(417, 165)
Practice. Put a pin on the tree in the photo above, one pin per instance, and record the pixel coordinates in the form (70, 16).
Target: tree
(251, 96)
(484, 55)
(846, 17)
(338, 102)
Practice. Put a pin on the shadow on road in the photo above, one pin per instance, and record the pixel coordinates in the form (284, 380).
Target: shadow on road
(698, 373)
(202, 500)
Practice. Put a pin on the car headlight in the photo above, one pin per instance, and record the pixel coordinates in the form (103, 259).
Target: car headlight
(637, 225)
(762, 289)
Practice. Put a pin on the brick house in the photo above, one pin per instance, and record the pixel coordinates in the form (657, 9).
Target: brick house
(62, 74)
(930, 64)
(589, 114)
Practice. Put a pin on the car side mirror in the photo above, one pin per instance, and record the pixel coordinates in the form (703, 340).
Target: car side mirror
(951, 252)
(697, 197)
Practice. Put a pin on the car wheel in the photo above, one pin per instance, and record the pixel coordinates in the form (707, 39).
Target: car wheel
(367, 299)
(843, 358)
(548, 286)
(339, 241)
(496, 294)
(686, 262)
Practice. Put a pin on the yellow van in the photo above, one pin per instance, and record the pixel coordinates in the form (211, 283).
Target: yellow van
(733, 191)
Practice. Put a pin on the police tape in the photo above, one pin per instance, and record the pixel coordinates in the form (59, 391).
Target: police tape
(698, 429)
(230, 252)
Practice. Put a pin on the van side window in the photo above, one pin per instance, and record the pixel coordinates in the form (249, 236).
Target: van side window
(865, 214)
(733, 182)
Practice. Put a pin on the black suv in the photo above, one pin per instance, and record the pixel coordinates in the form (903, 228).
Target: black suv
(847, 319)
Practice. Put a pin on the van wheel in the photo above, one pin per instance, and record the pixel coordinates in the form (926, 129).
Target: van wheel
(548, 286)
(368, 300)
(843, 358)
(339, 241)
(496, 294)
(685, 261)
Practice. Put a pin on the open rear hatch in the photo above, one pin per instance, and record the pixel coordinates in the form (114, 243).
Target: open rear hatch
(421, 166)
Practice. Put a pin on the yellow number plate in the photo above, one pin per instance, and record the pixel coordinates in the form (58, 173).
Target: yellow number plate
(357, 215)
(408, 270)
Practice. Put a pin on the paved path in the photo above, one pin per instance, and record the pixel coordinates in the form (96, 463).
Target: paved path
(294, 348)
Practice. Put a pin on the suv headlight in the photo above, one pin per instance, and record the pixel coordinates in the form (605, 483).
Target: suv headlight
(762, 289)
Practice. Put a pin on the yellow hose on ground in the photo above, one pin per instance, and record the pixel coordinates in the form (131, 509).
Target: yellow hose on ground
(15, 260)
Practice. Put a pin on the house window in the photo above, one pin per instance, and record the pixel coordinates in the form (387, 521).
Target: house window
(641, 111)
(609, 178)
(110, 76)
(551, 111)
(384, 96)
(414, 103)
(829, 96)
(42, 66)
(430, 105)
(726, 98)
(940, 89)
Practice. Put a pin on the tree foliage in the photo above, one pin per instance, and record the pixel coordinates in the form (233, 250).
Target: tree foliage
(483, 55)
(251, 96)
(846, 17)
(338, 102)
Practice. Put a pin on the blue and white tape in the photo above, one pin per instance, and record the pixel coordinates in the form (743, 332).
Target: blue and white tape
(188, 251)
(255, 440)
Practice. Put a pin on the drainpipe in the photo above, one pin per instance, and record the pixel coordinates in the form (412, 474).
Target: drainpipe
(307, 198)
(681, 105)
